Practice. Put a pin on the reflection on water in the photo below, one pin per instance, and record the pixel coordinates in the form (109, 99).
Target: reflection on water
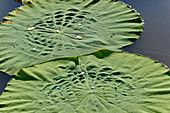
(154, 41)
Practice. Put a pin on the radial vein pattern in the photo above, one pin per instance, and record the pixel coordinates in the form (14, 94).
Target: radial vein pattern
(114, 83)
(45, 29)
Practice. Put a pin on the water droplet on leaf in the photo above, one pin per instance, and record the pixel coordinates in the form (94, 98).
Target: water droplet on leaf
(72, 76)
(34, 48)
(30, 28)
(57, 87)
(99, 75)
(93, 87)
(58, 31)
(79, 24)
(82, 72)
(79, 37)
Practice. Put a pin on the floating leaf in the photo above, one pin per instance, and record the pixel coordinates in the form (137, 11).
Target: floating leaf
(100, 82)
(58, 28)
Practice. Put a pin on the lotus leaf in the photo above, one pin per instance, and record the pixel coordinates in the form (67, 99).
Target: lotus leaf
(101, 82)
(46, 29)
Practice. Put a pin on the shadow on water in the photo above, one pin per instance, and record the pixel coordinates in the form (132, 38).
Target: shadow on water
(154, 42)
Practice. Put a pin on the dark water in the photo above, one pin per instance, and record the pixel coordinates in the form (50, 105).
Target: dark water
(4, 79)
(154, 42)
(7, 6)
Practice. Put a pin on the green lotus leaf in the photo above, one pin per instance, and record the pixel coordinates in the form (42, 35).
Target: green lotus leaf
(46, 29)
(101, 82)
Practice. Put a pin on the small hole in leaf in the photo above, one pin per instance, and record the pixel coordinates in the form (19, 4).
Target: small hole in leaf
(80, 16)
(58, 12)
(74, 10)
(71, 68)
(74, 79)
(92, 20)
(116, 73)
(81, 78)
(109, 79)
(49, 21)
(68, 18)
(36, 38)
(61, 81)
(120, 81)
(103, 75)
(49, 41)
(44, 54)
(43, 40)
(76, 82)
(44, 44)
(73, 22)
(59, 16)
(105, 69)
(92, 75)
(70, 14)
(69, 26)
(37, 42)
(58, 23)
(65, 24)
(50, 46)
(63, 98)
(91, 67)
(62, 67)
(126, 77)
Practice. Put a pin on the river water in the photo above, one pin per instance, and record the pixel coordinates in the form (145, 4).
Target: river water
(154, 41)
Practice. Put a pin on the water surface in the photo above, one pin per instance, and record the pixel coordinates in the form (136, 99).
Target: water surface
(155, 40)
(7, 6)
